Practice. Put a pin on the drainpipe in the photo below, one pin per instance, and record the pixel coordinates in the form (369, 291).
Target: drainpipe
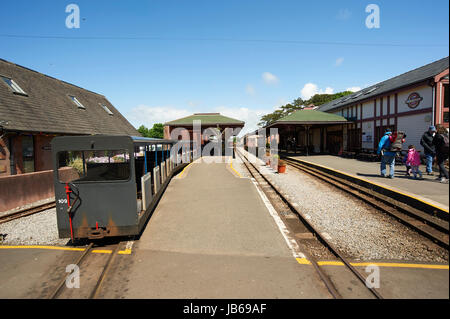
(11, 156)
(433, 98)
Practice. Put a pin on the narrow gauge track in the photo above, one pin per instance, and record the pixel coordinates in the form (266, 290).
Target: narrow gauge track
(430, 227)
(90, 281)
(26, 212)
(263, 182)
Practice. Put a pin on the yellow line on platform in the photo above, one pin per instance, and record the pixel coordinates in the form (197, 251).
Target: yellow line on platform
(182, 172)
(231, 165)
(384, 264)
(95, 251)
(303, 261)
(42, 247)
(102, 251)
(373, 183)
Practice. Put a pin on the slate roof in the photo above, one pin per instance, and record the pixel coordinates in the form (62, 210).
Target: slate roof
(207, 119)
(414, 76)
(48, 108)
(310, 117)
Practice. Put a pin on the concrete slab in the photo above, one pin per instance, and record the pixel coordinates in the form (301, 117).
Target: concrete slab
(211, 236)
(428, 189)
(28, 273)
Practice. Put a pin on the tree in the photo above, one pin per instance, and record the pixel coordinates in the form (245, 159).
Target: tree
(298, 104)
(143, 130)
(157, 131)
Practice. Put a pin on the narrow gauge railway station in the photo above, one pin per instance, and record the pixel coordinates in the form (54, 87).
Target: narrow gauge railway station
(286, 214)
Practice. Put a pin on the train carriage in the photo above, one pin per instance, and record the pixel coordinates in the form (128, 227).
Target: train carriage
(107, 186)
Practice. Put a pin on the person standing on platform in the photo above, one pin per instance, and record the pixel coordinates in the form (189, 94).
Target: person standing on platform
(440, 141)
(387, 156)
(413, 160)
(429, 149)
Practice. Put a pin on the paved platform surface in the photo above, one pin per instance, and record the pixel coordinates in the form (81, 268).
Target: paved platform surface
(212, 236)
(427, 189)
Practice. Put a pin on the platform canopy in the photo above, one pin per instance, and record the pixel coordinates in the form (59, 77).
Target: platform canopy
(308, 131)
(210, 119)
(310, 117)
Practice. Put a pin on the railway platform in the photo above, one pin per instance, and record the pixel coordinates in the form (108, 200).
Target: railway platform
(428, 189)
(212, 236)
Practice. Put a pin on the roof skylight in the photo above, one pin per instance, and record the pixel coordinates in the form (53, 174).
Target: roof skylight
(75, 100)
(13, 85)
(106, 109)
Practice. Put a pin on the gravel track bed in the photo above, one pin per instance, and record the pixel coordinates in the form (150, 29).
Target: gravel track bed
(37, 229)
(357, 229)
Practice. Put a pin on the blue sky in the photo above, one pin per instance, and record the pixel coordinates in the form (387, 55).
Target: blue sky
(159, 60)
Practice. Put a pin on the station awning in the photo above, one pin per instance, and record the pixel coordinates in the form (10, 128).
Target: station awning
(310, 117)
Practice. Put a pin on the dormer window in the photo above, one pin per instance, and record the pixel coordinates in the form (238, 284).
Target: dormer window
(13, 86)
(106, 109)
(78, 103)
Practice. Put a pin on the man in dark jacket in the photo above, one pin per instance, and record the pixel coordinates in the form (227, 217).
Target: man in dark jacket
(429, 148)
(441, 145)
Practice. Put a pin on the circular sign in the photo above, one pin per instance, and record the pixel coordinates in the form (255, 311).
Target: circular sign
(413, 100)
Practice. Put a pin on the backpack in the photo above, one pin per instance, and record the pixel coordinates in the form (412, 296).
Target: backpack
(444, 145)
(396, 145)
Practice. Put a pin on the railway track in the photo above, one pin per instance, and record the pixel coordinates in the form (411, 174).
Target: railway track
(428, 226)
(26, 212)
(93, 269)
(264, 183)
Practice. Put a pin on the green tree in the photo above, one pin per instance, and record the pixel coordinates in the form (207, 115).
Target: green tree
(157, 131)
(298, 104)
(143, 130)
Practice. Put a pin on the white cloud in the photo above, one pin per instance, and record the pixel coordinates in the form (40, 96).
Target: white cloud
(270, 78)
(250, 90)
(311, 89)
(354, 89)
(343, 14)
(149, 115)
(249, 116)
(339, 61)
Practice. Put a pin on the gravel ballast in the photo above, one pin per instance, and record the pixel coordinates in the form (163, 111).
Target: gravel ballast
(36, 229)
(357, 229)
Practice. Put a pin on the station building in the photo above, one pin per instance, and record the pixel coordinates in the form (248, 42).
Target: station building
(309, 131)
(35, 107)
(215, 122)
(410, 102)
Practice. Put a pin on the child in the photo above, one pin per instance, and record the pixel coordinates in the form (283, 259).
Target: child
(414, 161)
(408, 168)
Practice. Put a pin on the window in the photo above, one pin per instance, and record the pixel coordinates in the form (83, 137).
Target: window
(357, 95)
(370, 90)
(106, 109)
(75, 100)
(93, 166)
(446, 92)
(13, 85)
(28, 154)
(445, 117)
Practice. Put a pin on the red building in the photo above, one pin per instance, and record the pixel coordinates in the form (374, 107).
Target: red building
(35, 107)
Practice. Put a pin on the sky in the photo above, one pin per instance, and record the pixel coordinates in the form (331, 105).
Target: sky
(159, 60)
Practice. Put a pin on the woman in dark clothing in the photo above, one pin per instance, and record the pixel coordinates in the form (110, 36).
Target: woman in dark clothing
(441, 152)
